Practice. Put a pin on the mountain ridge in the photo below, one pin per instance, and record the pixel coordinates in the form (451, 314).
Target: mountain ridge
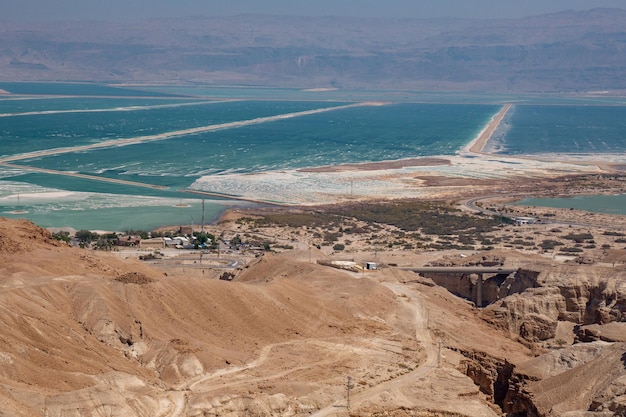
(569, 51)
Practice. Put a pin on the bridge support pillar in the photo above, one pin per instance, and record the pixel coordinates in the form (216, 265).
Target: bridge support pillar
(479, 291)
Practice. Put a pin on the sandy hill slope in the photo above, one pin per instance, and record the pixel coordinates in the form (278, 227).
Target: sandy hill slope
(86, 333)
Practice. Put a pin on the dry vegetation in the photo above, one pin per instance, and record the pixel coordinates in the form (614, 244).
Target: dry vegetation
(418, 227)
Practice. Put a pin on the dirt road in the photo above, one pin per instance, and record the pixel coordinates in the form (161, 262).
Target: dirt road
(422, 335)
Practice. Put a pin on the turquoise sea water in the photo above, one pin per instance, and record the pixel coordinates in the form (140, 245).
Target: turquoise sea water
(610, 204)
(409, 125)
(360, 134)
(539, 129)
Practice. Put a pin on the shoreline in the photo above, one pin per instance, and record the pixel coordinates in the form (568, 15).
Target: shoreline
(477, 146)
(469, 170)
(381, 165)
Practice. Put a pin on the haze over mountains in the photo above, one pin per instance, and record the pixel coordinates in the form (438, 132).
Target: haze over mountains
(568, 51)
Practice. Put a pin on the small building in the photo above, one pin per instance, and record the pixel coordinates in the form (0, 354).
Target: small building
(153, 243)
(176, 242)
(371, 266)
(186, 230)
(128, 241)
(524, 220)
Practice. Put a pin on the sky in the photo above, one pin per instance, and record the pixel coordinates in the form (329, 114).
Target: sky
(53, 10)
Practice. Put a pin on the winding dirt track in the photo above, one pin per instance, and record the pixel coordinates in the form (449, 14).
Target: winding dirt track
(422, 335)
(235, 376)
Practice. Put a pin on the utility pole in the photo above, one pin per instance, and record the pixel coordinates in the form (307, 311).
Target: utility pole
(349, 386)
(439, 354)
(202, 230)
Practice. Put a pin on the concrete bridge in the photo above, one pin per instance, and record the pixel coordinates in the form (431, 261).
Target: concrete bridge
(464, 270)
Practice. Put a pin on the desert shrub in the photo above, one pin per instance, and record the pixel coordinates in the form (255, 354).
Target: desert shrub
(578, 237)
(266, 246)
(571, 250)
(339, 247)
(433, 218)
(332, 237)
(310, 219)
(610, 233)
(550, 244)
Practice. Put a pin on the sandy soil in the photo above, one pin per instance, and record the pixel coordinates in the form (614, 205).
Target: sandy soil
(286, 335)
(87, 332)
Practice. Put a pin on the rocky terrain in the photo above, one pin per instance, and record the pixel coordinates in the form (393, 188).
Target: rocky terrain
(570, 51)
(90, 333)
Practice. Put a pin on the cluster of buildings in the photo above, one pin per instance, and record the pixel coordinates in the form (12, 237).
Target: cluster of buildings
(178, 242)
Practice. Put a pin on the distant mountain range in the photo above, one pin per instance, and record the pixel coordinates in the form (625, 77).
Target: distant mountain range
(570, 51)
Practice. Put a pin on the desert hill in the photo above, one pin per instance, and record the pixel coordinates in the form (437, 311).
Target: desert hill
(87, 333)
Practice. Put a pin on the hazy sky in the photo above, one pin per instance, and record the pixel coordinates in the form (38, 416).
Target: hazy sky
(46, 10)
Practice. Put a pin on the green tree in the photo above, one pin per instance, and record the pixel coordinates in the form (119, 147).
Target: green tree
(63, 236)
(86, 236)
(236, 241)
(141, 233)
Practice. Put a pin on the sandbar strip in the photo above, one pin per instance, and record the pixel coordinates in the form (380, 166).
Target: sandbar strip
(113, 109)
(84, 176)
(478, 144)
(236, 198)
(178, 133)
(382, 165)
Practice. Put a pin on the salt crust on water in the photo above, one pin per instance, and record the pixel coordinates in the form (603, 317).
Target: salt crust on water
(298, 187)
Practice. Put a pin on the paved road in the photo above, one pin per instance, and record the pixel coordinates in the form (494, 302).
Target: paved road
(470, 204)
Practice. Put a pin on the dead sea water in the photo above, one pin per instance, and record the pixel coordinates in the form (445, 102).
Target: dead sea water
(174, 145)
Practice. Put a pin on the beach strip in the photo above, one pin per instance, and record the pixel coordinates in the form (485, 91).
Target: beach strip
(478, 144)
